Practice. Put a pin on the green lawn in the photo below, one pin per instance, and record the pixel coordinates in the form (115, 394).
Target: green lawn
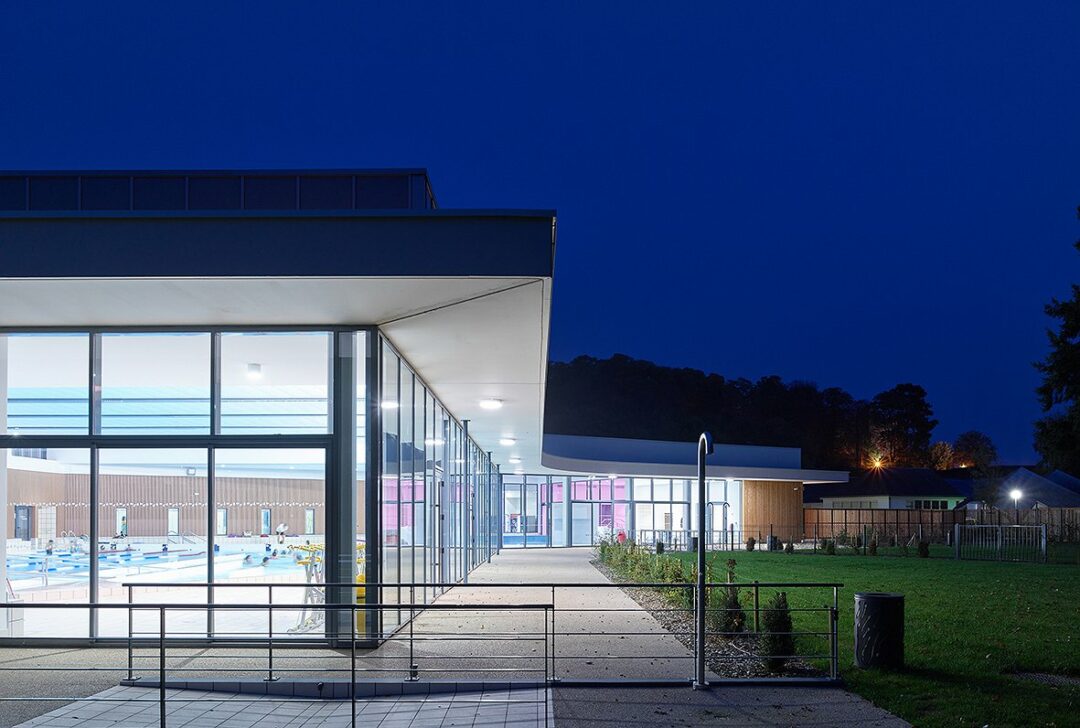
(969, 625)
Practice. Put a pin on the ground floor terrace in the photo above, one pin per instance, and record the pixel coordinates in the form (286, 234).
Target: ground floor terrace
(478, 655)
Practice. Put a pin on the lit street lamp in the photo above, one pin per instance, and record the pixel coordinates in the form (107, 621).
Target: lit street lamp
(1015, 495)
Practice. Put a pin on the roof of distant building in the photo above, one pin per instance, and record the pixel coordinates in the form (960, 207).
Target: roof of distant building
(899, 482)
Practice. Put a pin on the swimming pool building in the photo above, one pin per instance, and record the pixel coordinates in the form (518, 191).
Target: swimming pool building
(213, 382)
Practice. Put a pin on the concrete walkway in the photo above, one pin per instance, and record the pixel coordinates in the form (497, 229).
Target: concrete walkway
(600, 632)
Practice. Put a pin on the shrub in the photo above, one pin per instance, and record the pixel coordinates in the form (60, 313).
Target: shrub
(924, 549)
(830, 548)
(777, 642)
(725, 610)
(751, 543)
(872, 548)
(789, 547)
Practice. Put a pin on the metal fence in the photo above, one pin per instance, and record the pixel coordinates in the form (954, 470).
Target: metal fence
(545, 634)
(730, 539)
(1000, 543)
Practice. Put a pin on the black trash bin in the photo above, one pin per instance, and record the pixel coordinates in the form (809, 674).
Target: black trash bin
(693, 544)
(659, 547)
(879, 629)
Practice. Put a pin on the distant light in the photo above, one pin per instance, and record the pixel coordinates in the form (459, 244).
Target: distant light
(435, 441)
(515, 461)
(1015, 494)
(878, 463)
(491, 404)
(191, 471)
(508, 442)
(254, 370)
(389, 404)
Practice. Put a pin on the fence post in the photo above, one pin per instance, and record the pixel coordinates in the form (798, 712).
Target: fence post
(270, 642)
(554, 675)
(161, 666)
(1042, 544)
(956, 539)
(834, 621)
(414, 670)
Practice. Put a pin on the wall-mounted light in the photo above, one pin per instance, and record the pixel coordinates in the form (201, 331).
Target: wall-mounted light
(507, 442)
(491, 404)
(254, 370)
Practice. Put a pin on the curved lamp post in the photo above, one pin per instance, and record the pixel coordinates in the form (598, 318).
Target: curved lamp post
(705, 448)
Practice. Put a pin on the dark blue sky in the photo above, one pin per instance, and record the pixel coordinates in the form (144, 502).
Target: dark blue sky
(853, 193)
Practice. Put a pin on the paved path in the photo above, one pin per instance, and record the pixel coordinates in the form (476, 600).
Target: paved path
(600, 632)
(189, 709)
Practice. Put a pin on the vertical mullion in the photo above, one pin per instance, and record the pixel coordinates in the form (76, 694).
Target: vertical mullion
(94, 424)
(211, 510)
(373, 479)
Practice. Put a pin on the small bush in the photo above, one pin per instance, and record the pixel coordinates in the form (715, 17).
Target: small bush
(924, 549)
(872, 548)
(726, 614)
(830, 548)
(751, 543)
(789, 547)
(777, 642)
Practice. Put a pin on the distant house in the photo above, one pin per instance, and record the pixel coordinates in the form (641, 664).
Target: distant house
(1056, 490)
(896, 488)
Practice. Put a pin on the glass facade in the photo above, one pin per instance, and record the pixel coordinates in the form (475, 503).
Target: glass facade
(227, 466)
(535, 508)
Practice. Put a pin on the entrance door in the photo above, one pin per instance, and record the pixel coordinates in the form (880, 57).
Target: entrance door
(582, 526)
(513, 515)
(121, 523)
(174, 522)
(22, 522)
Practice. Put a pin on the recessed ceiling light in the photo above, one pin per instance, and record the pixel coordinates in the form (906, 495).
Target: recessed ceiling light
(508, 442)
(389, 404)
(254, 370)
(491, 404)
(519, 471)
(515, 461)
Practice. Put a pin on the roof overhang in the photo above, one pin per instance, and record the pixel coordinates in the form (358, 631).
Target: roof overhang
(650, 458)
(464, 296)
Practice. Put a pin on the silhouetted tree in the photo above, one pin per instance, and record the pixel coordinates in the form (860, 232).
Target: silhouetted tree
(973, 449)
(941, 455)
(1057, 435)
(901, 421)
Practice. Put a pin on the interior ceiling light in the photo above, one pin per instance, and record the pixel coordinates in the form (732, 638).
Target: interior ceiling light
(491, 404)
(389, 404)
(435, 441)
(508, 442)
(254, 370)
(515, 461)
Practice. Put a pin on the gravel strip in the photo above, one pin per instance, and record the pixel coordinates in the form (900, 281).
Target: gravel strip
(732, 657)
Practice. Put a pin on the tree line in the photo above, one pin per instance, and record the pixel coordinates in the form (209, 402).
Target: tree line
(627, 397)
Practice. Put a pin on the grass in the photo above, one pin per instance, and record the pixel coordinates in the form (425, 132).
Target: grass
(969, 627)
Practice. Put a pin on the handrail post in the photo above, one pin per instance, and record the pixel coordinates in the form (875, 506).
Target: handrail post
(270, 640)
(352, 663)
(705, 448)
(130, 646)
(757, 606)
(414, 669)
(554, 675)
(161, 666)
(834, 618)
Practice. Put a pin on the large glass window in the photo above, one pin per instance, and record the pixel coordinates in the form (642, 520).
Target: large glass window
(46, 387)
(276, 502)
(159, 498)
(45, 549)
(275, 383)
(155, 384)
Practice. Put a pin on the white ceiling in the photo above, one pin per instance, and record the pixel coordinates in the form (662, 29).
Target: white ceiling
(468, 338)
